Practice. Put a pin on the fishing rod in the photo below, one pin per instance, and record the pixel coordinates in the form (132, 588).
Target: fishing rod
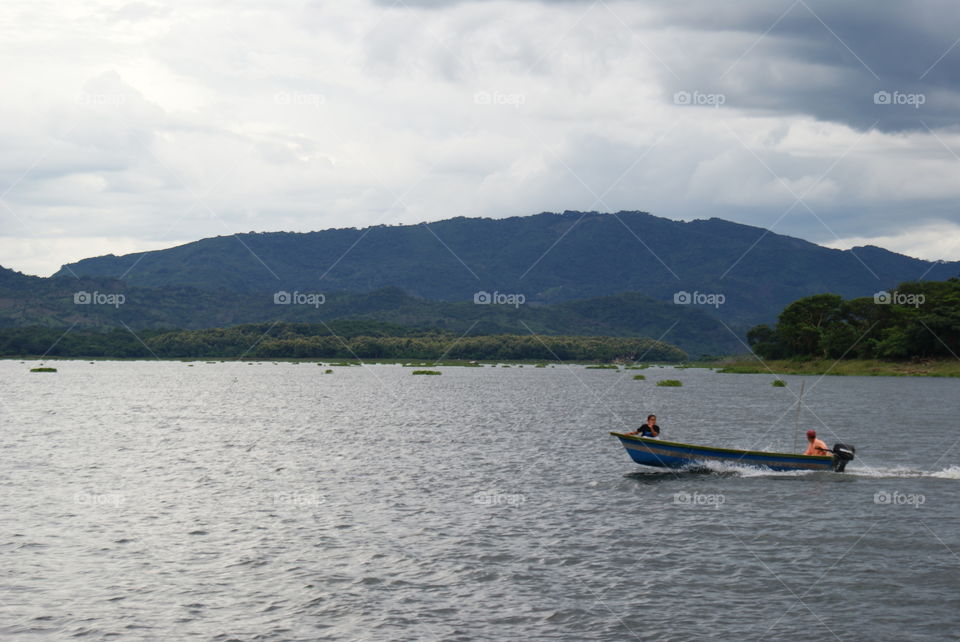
(796, 427)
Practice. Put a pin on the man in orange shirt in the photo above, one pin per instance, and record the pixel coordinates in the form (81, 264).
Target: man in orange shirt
(815, 446)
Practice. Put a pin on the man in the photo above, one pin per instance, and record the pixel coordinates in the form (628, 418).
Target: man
(649, 429)
(815, 446)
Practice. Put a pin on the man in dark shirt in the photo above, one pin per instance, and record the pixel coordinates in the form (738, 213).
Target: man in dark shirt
(649, 429)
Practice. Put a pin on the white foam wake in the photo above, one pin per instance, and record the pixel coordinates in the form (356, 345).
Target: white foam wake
(952, 472)
(741, 470)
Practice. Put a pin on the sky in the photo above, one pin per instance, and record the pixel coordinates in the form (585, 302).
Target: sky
(130, 126)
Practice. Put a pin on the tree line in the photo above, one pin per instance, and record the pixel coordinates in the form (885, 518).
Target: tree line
(338, 340)
(917, 320)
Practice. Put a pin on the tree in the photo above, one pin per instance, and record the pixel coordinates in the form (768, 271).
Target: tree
(802, 323)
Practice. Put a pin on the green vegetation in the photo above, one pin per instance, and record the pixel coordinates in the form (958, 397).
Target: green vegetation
(639, 377)
(917, 320)
(426, 372)
(603, 366)
(779, 383)
(43, 369)
(670, 383)
(328, 371)
(853, 367)
(325, 341)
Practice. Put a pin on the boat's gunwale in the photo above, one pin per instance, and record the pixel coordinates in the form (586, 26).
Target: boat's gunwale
(723, 450)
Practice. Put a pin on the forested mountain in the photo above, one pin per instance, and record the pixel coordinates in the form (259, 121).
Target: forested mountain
(548, 258)
(29, 301)
(698, 285)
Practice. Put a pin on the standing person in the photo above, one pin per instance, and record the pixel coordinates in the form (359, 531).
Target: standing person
(815, 446)
(649, 429)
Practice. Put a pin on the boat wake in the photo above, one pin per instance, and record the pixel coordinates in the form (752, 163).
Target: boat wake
(735, 470)
(952, 472)
(741, 470)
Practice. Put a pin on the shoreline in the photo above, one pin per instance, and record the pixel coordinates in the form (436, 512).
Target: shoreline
(844, 368)
(731, 365)
(353, 361)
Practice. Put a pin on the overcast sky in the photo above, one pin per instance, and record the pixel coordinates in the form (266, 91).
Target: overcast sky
(141, 125)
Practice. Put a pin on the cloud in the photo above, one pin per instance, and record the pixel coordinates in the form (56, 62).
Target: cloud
(140, 126)
(894, 66)
(931, 242)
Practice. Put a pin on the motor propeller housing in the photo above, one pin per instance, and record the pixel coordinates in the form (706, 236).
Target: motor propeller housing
(842, 455)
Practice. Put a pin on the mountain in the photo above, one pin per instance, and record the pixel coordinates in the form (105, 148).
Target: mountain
(109, 303)
(548, 258)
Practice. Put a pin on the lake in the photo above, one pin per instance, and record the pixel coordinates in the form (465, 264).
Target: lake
(271, 501)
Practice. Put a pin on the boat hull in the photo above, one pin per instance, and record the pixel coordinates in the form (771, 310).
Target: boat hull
(669, 454)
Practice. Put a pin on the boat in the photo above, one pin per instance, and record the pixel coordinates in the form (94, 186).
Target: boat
(670, 454)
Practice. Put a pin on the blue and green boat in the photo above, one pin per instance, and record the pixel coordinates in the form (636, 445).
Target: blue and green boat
(670, 454)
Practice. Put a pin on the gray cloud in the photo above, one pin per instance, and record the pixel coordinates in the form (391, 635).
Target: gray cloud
(828, 59)
(815, 57)
(138, 127)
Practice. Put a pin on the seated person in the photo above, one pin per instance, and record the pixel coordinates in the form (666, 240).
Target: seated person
(649, 429)
(815, 446)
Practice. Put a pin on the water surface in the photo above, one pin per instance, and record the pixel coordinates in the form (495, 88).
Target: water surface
(164, 500)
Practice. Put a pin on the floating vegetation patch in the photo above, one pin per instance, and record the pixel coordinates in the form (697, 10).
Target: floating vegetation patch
(328, 371)
(426, 372)
(670, 383)
(779, 383)
(639, 377)
(43, 369)
(603, 366)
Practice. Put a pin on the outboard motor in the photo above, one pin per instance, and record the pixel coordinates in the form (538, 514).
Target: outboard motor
(842, 454)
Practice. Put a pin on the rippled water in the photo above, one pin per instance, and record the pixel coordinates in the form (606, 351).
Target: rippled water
(163, 500)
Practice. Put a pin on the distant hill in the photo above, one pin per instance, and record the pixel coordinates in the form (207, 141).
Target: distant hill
(27, 300)
(549, 258)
